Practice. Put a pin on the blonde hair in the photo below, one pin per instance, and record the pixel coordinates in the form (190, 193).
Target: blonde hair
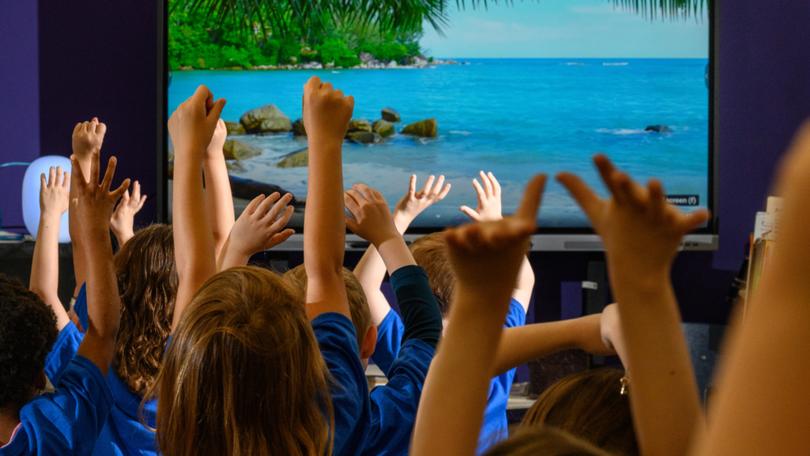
(358, 303)
(243, 374)
(430, 252)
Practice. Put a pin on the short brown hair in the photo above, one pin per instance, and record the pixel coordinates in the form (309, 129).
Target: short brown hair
(430, 252)
(544, 440)
(358, 303)
(147, 284)
(589, 405)
(243, 374)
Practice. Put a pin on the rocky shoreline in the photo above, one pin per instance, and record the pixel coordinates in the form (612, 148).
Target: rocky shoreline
(367, 62)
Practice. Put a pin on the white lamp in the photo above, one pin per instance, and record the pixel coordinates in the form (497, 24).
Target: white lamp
(30, 194)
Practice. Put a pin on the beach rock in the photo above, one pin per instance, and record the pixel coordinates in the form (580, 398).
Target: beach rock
(298, 128)
(235, 166)
(364, 137)
(393, 64)
(419, 61)
(266, 119)
(234, 128)
(248, 188)
(312, 66)
(237, 150)
(390, 114)
(296, 159)
(427, 128)
(658, 129)
(366, 57)
(358, 125)
(383, 128)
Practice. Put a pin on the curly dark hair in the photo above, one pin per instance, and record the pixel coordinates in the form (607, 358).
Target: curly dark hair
(27, 333)
(147, 284)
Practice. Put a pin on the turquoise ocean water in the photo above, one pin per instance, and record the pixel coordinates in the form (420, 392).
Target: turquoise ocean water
(515, 117)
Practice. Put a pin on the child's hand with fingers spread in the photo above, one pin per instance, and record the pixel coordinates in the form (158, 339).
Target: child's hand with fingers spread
(261, 225)
(88, 137)
(488, 192)
(54, 192)
(192, 124)
(326, 112)
(122, 221)
(414, 203)
(371, 218)
(95, 201)
(214, 149)
(640, 230)
(488, 255)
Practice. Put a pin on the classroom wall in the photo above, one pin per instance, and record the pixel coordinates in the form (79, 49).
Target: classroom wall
(19, 108)
(100, 59)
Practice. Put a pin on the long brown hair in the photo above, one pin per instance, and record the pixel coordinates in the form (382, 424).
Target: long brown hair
(243, 374)
(546, 441)
(588, 405)
(147, 284)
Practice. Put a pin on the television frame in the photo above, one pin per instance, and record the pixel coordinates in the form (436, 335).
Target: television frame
(544, 239)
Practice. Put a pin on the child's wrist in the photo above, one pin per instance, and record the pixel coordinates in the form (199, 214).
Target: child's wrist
(51, 214)
(402, 221)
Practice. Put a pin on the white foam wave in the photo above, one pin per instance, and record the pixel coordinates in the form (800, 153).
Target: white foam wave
(460, 132)
(615, 63)
(621, 131)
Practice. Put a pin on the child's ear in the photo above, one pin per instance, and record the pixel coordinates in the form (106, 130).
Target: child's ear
(369, 343)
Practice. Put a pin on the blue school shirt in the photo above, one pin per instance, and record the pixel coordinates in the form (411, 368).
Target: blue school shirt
(68, 420)
(337, 340)
(495, 427)
(123, 433)
(394, 405)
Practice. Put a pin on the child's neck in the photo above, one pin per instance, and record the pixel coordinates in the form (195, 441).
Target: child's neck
(8, 423)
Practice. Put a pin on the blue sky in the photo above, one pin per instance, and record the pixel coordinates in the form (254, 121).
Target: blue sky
(564, 28)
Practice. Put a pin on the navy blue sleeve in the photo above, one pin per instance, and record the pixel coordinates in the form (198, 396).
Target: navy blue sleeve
(63, 350)
(389, 341)
(69, 420)
(420, 312)
(394, 405)
(338, 343)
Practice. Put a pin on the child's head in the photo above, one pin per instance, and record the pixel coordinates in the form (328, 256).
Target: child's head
(27, 332)
(430, 252)
(358, 306)
(545, 440)
(147, 283)
(589, 405)
(243, 373)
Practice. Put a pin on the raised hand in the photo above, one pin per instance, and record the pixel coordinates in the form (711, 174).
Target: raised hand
(489, 254)
(214, 148)
(370, 217)
(488, 192)
(95, 200)
(54, 192)
(192, 124)
(414, 203)
(261, 225)
(326, 112)
(88, 137)
(636, 224)
(122, 221)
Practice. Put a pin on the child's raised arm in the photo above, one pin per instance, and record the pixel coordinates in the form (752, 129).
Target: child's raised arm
(326, 116)
(191, 126)
(122, 221)
(488, 192)
(486, 258)
(87, 139)
(53, 202)
(642, 233)
(94, 206)
(370, 270)
(218, 198)
(259, 228)
(762, 403)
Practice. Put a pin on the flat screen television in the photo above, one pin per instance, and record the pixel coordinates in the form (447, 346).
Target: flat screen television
(514, 88)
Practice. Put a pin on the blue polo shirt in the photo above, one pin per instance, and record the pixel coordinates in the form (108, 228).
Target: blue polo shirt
(122, 433)
(495, 427)
(337, 339)
(68, 420)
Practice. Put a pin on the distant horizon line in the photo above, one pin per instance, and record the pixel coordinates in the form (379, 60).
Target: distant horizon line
(571, 58)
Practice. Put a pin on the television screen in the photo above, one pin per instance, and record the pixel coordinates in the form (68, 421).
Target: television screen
(512, 88)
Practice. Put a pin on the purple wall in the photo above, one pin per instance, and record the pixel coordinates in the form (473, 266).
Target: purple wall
(100, 59)
(19, 109)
